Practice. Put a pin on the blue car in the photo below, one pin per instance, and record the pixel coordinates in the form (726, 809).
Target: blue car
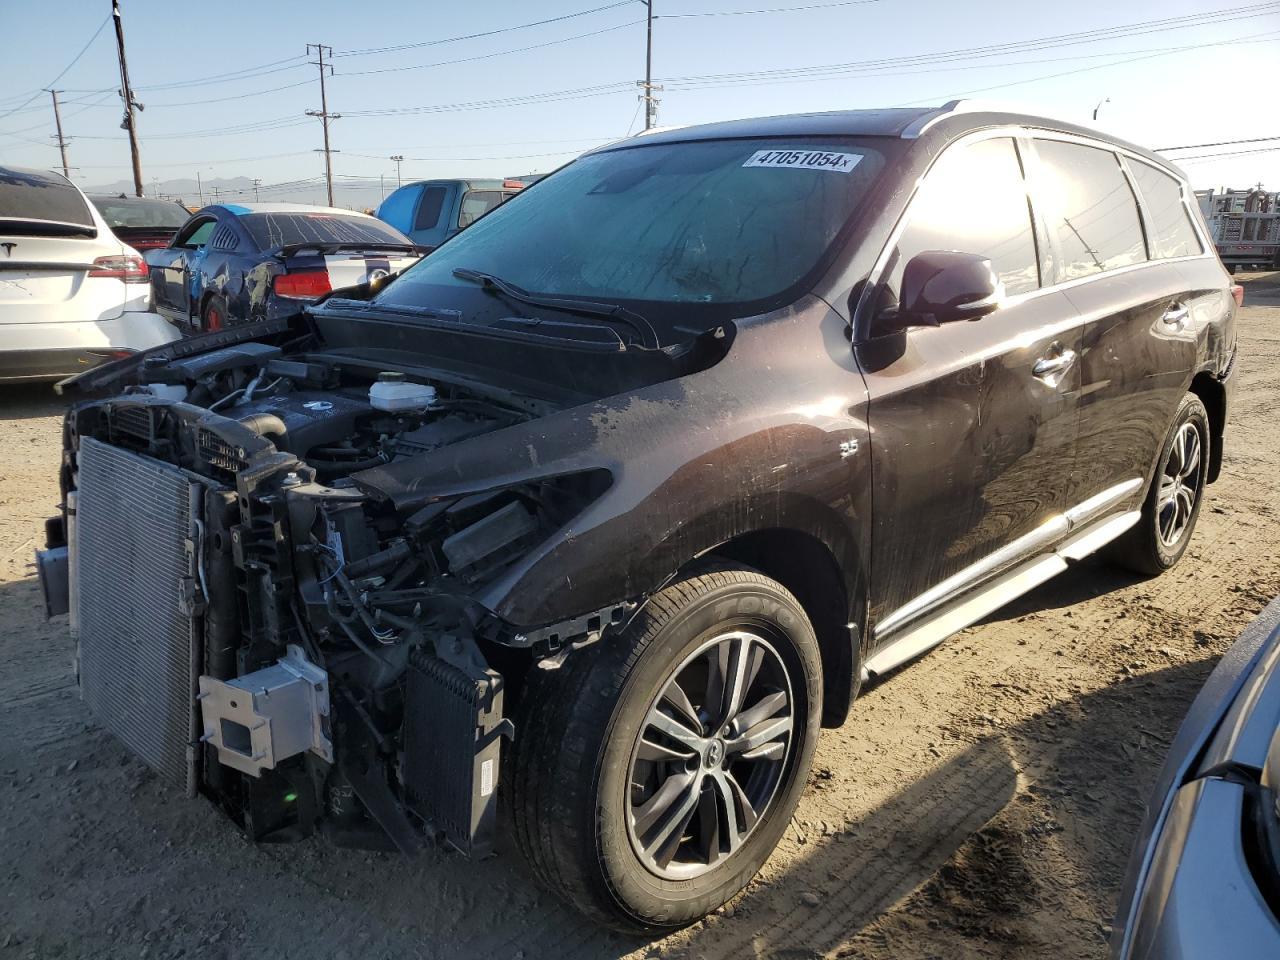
(1204, 877)
(240, 263)
(431, 211)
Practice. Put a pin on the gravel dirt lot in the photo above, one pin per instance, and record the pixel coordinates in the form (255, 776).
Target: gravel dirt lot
(980, 803)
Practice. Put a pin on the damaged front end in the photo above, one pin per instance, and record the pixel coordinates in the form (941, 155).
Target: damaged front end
(261, 628)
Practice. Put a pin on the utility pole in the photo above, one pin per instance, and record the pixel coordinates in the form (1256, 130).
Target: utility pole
(200, 188)
(62, 141)
(650, 101)
(382, 186)
(126, 93)
(256, 182)
(398, 160)
(323, 113)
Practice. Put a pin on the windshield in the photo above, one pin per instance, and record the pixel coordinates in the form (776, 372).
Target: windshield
(125, 213)
(723, 222)
(276, 229)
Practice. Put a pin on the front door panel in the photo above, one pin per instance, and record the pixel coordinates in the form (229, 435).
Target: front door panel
(972, 449)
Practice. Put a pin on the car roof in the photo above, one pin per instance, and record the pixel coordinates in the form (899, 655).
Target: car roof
(471, 183)
(117, 197)
(908, 123)
(34, 172)
(240, 209)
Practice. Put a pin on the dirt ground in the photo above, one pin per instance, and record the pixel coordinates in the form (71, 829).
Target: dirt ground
(980, 803)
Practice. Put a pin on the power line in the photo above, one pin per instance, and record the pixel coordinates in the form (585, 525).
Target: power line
(1067, 73)
(1220, 143)
(749, 13)
(74, 61)
(485, 33)
(1137, 28)
(551, 96)
(1225, 153)
(490, 56)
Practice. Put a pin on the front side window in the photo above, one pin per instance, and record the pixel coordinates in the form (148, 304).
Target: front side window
(973, 200)
(1090, 208)
(1169, 229)
(720, 223)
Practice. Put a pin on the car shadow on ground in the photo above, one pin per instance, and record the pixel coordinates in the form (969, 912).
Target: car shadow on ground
(25, 401)
(175, 865)
(1085, 580)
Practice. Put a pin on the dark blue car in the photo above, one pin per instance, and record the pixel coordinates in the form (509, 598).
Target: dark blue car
(239, 263)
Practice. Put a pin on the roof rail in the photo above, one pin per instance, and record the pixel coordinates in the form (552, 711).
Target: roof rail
(921, 124)
(952, 107)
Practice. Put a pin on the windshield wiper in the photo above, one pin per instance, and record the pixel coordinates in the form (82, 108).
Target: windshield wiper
(590, 308)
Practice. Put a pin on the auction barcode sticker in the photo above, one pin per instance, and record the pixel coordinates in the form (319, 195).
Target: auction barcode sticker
(805, 160)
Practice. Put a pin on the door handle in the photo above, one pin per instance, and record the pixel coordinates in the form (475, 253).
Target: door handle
(1174, 316)
(1047, 366)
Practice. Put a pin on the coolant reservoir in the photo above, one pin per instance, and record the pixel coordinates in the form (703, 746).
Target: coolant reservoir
(393, 393)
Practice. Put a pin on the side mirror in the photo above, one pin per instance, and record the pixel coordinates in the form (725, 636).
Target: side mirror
(939, 286)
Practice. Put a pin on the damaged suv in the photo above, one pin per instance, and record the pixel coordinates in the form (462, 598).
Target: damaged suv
(610, 503)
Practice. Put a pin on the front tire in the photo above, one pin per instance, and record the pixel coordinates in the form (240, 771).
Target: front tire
(654, 774)
(1172, 505)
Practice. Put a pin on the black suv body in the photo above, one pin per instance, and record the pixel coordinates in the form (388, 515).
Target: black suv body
(641, 476)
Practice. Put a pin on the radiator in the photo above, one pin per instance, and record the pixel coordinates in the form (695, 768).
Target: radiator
(135, 546)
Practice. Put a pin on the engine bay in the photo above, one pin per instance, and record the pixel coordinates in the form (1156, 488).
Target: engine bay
(302, 578)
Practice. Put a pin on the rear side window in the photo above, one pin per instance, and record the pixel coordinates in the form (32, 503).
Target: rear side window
(476, 204)
(974, 200)
(428, 214)
(1090, 208)
(35, 198)
(1169, 230)
(275, 229)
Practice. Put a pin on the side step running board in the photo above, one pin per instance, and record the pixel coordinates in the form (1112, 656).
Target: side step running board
(932, 630)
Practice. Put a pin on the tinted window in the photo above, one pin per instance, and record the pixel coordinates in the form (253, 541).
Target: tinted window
(1090, 207)
(715, 222)
(274, 229)
(31, 195)
(476, 203)
(397, 209)
(1169, 229)
(973, 200)
(429, 209)
(123, 212)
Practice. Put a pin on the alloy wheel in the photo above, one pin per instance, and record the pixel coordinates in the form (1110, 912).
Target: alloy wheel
(711, 755)
(1180, 483)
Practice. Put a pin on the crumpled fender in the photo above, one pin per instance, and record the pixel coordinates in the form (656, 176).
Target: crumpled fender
(753, 443)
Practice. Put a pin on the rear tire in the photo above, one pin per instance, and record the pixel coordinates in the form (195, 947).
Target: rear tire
(214, 315)
(600, 820)
(1172, 506)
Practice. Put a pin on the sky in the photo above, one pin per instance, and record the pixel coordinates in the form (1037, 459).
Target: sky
(476, 90)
